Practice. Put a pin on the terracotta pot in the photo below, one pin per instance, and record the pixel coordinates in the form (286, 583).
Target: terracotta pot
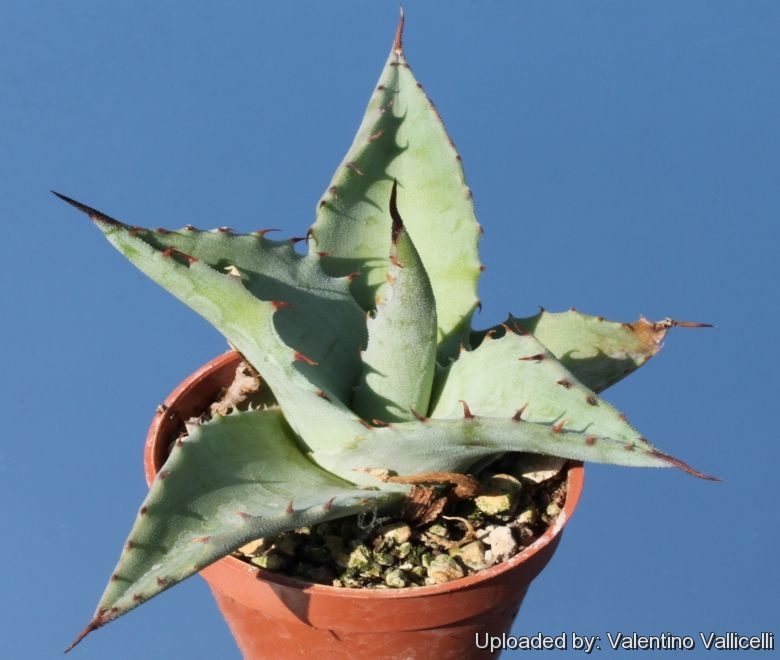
(275, 616)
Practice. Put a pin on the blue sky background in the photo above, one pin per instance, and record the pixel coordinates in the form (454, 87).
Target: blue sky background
(624, 160)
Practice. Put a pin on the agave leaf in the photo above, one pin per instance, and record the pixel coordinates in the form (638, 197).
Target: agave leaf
(454, 445)
(309, 392)
(525, 377)
(321, 320)
(402, 138)
(399, 362)
(232, 480)
(597, 351)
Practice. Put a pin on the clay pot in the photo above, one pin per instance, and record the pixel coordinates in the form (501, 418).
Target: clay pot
(275, 616)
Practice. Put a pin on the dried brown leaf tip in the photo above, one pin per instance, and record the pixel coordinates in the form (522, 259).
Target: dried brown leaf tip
(651, 333)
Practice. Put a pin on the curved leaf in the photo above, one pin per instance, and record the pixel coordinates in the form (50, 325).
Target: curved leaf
(320, 319)
(454, 445)
(232, 480)
(525, 379)
(310, 393)
(597, 351)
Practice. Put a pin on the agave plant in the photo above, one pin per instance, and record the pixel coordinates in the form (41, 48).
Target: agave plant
(366, 344)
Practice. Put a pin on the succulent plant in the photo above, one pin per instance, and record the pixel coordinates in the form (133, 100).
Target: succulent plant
(366, 344)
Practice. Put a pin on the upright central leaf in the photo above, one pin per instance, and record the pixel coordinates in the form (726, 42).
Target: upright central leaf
(400, 361)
